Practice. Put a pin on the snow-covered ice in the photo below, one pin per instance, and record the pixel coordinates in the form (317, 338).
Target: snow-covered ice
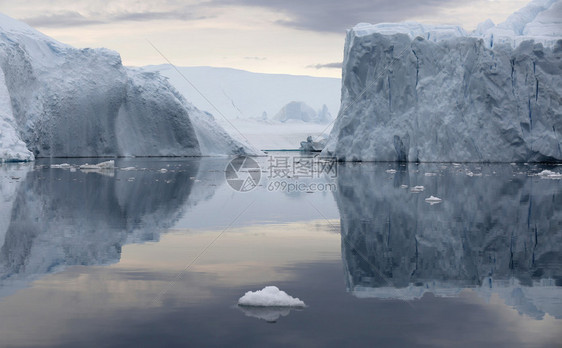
(58, 101)
(415, 92)
(270, 296)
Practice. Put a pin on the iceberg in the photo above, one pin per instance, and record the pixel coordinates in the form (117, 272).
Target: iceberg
(420, 93)
(59, 101)
(300, 111)
(270, 296)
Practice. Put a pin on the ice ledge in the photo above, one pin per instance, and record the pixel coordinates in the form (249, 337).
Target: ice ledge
(540, 21)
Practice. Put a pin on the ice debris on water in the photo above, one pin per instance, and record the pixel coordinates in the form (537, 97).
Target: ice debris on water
(61, 166)
(548, 174)
(417, 189)
(270, 296)
(433, 200)
(100, 166)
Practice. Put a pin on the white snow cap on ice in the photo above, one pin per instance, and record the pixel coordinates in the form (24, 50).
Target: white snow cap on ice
(270, 296)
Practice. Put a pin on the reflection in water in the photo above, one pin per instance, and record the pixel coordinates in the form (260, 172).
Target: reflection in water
(497, 230)
(70, 217)
(269, 314)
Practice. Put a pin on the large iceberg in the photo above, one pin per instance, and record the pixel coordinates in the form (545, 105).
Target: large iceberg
(58, 101)
(413, 92)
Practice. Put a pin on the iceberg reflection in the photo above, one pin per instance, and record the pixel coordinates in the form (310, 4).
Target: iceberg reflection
(498, 231)
(63, 217)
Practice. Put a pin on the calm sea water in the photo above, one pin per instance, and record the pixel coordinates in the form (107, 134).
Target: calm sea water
(157, 252)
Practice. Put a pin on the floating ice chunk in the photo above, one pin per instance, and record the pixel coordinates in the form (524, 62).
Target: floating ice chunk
(128, 168)
(469, 173)
(61, 166)
(430, 174)
(99, 166)
(417, 189)
(391, 171)
(163, 170)
(547, 174)
(270, 296)
(433, 200)
(403, 186)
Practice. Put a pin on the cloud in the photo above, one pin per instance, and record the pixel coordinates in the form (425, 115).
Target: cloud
(76, 19)
(64, 19)
(314, 15)
(337, 65)
(338, 15)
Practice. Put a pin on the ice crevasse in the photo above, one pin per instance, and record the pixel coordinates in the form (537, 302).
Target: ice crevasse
(59, 101)
(414, 92)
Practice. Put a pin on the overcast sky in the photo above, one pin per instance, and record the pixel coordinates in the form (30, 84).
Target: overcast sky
(274, 36)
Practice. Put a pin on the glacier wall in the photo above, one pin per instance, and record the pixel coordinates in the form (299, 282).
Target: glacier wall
(412, 92)
(65, 102)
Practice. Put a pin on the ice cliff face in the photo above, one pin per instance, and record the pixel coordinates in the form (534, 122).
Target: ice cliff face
(412, 92)
(58, 101)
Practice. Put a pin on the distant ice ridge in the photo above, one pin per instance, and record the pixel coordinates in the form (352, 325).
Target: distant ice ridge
(414, 92)
(270, 296)
(300, 111)
(58, 101)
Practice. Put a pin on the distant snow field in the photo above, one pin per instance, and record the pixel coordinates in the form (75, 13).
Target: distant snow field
(271, 111)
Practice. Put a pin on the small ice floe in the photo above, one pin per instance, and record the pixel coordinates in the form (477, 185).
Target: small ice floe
(430, 174)
(128, 168)
(391, 171)
(270, 296)
(163, 170)
(433, 200)
(403, 186)
(100, 166)
(456, 164)
(61, 166)
(548, 174)
(417, 189)
(469, 173)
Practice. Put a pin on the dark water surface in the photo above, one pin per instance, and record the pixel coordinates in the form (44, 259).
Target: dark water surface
(157, 252)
